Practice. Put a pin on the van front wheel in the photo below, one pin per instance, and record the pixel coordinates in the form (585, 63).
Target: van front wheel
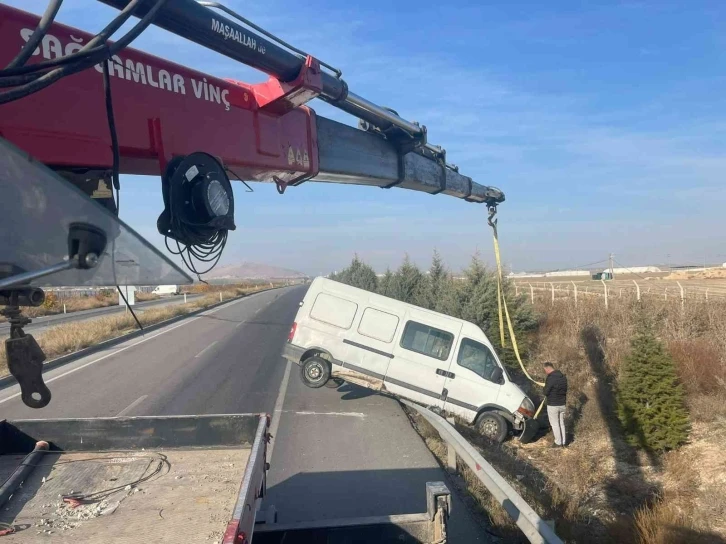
(315, 372)
(492, 426)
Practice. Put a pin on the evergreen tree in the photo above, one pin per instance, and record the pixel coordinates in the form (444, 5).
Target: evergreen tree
(358, 274)
(437, 285)
(476, 299)
(385, 284)
(650, 399)
(408, 283)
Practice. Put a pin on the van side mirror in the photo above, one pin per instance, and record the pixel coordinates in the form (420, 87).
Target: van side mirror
(497, 375)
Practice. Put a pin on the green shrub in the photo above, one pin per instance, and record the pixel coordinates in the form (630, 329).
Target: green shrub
(651, 401)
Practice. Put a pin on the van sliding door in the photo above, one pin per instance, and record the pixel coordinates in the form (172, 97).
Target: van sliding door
(421, 357)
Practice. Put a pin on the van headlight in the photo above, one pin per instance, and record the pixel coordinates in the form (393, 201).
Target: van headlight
(526, 408)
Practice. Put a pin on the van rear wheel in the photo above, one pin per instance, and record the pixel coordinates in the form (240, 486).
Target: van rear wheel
(492, 426)
(315, 372)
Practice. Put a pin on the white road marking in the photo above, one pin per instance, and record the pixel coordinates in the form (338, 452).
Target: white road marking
(205, 349)
(132, 406)
(240, 324)
(349, 414)
(146, 339)
(278, 409)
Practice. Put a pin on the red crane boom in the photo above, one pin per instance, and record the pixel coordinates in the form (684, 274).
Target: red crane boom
(163, 110)
(260, 132)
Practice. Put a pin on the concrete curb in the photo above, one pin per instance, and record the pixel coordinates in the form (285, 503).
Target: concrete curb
(7, 381)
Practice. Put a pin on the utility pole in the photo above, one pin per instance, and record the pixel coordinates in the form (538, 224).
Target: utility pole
(612, 273)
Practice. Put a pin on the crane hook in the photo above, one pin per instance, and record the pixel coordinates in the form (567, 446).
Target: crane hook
(490, 219)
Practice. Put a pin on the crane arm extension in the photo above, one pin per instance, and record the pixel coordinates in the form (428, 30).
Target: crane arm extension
(349, 155)
(260, 132)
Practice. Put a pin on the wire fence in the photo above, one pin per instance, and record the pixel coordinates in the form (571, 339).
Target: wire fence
(607, 290)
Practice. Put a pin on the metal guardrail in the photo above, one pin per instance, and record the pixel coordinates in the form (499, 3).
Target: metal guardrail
(534, 528)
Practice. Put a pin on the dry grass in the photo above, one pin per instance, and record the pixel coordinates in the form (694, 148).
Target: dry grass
(708, 274)
(694, 333)
(689, 508)
(53, 305)
(227, 287)
(71, 337)
(140, 296)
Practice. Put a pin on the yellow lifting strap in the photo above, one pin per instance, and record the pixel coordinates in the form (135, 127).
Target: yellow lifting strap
(502, 304)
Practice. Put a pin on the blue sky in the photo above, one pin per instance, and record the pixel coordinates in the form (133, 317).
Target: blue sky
(604, 123)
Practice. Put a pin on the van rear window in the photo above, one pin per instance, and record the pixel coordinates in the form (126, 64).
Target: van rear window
(427, 340)
(333, 310)
(377, 324)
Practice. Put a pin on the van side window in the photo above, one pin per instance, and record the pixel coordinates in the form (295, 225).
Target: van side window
(333, 310)
(377, 324)
(476, 357)
(427, 340)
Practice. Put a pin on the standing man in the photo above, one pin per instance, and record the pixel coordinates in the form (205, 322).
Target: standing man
(555, 391)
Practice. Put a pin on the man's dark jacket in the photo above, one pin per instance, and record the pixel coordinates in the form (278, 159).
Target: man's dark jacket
(555, 389)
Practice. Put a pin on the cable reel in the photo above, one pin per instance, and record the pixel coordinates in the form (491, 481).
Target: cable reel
(198, 209)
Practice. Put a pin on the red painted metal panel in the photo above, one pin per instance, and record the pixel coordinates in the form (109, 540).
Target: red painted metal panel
(162, 109)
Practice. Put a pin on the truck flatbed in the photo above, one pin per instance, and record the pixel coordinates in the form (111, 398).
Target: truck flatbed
(158, 496)
(178, 479)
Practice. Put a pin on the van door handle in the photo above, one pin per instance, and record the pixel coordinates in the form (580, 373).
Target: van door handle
(446, 374)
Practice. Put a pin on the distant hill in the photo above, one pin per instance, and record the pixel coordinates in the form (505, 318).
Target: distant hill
(252, 271)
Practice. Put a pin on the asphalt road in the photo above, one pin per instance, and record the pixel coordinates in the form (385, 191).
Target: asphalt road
(335, 453)
(41, 323)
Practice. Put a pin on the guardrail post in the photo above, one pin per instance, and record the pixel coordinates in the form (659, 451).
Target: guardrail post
(220, 296)
(64, 304)
(531, 292)
(637, 290)
(451, 451)
(185, 298)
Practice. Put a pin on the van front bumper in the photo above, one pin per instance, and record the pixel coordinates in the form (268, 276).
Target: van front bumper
(293, 353)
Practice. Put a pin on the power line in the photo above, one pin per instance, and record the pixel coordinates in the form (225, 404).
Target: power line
(581, 266)
(629, 270)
